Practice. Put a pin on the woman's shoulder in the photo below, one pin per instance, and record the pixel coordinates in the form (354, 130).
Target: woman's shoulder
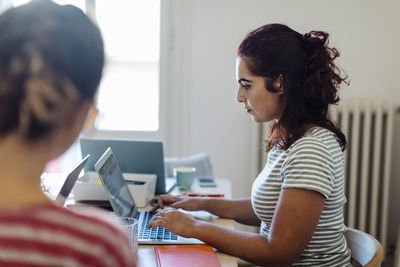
(93, 215)
(105, 227)
(316, 137)
(317, 141)
(74, 218)
(98, 235)
(318, 133)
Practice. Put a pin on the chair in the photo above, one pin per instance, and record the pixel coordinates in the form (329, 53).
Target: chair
(201, 161)
(397, 254)
(365, 249)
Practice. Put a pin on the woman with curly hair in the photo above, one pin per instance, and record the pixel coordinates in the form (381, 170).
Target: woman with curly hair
(288, 79)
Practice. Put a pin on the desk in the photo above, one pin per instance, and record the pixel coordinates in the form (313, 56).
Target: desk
(146, 252)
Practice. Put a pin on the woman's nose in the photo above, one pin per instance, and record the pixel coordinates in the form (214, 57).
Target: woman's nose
(239, 96)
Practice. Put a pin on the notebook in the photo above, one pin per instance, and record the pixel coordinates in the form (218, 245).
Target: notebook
(186, 255)
(123, 204)
(134, 156)
(66, 186)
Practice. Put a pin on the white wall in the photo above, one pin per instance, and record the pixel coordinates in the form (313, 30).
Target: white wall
(365, 31)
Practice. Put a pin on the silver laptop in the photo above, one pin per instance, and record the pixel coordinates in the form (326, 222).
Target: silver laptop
(124, 206)
(58, 192)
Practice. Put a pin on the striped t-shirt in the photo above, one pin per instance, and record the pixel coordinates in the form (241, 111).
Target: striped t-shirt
(314, 162)
(48, 235)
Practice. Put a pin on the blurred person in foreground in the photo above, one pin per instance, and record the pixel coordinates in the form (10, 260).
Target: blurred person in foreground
(51, 61)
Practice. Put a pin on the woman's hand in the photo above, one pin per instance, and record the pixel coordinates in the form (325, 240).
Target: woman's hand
(175, 221)
(182, 202)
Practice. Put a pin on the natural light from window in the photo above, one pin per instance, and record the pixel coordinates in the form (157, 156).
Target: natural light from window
(128, 99)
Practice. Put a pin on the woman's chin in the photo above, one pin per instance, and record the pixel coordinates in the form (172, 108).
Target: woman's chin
(259, 120)
(256, 119)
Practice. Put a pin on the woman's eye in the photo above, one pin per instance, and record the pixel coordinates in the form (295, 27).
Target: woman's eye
(246, 86)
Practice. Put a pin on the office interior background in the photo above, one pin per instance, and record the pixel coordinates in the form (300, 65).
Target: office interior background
(194, 106)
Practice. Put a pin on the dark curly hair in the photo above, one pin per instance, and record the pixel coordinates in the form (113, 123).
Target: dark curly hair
(310, 78)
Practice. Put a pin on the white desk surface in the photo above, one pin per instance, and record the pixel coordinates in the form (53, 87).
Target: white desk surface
(146, 252)
(223, 187)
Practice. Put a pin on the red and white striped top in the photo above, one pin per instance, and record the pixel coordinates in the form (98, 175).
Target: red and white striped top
(48, 235)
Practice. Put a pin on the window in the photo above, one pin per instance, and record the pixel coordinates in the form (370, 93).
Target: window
(129, 95)
(128, 98)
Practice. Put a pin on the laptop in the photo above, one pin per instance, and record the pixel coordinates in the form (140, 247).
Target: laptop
(67, 185)
(134, 156)
(124, 205)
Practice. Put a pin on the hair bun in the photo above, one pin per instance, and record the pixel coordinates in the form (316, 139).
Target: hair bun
(49, 99)
(306, 36)
(316, 39)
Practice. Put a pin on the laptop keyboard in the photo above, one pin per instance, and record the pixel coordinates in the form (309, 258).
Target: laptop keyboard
(158, 232)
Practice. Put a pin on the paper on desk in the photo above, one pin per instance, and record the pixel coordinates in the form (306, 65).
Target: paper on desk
(51, 183)
(200, 215)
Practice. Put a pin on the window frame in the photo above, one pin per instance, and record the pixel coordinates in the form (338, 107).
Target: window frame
(174, 77)
(92, 131)
(173, 113)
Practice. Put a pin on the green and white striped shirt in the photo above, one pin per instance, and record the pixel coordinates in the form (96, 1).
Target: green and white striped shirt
(314, 162)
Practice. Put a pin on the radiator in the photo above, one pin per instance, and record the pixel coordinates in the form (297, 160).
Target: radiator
(368, 126)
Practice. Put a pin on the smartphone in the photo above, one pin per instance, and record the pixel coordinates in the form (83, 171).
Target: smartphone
(206, 181)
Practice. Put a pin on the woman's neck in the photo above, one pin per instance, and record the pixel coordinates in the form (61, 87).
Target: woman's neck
(21, 167)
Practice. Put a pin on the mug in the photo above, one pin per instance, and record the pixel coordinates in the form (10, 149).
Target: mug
(185, 176)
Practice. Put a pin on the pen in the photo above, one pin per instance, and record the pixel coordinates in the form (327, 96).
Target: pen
(203, 195)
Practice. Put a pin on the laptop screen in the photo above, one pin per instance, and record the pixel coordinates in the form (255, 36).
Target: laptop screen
(70, 181)
(115, 186)
(134, 156)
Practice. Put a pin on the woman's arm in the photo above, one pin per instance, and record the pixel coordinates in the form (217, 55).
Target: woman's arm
(239, 210)
(295, 219)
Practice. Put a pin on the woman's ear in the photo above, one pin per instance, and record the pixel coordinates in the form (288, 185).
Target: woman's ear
(65, 134)
(83, 112)
(77, 119)
(278, 84)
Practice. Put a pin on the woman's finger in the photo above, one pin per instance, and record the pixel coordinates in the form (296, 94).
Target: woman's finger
(156, 222)
(164, 200)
